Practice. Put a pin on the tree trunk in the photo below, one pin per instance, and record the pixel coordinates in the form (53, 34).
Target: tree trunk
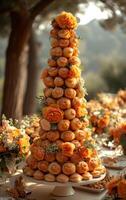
(15, 72)
(32, 77)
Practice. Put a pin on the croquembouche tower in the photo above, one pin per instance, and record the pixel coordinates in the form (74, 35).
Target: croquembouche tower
(65, 150)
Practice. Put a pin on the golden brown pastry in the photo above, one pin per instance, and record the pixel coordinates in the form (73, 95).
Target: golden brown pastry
(52, 135)
(48, 92)
(38, 175)
(73, 42)
(64, 103)
(58, 81)
(50, 157)
(93, 164)
(96, 174)
(80, 135)
(68, 168)
(76, 102)
(50, 101)
(54, 42)
(57, 51)
(75, 124)
(49, 177)
(67, 136)
(70, 93)
(61, 158)
(54, 168)
(87, 176)
(71, 82)
(64, 33)
(67, 149)
(38, 153)
(76, 143)
(74, 61)
(45, 143)
(70, 113)
(75, 158)
(63, 72)
(62, 61)
(68, 52)
(44, 73)
(76, 178)
(48, 81)
(45, 124)
(82, 167)
(51, 62)
(63, 43)
(54, 32)
(43, 166)
(59, 143)
(28, 171)
(63, 125)
(52, 71)
(57, 92)
(62, 178)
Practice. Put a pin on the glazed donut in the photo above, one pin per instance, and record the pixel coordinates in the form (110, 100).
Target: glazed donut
(38, 175)
(67, 148)
(62, 178)
(70, 93)
(68, 52)
(63, 72)
(82, 167)
(54, 42)
(75, 124)
(52, 135)
(64, 103)
(61, 158)
(48, 92)
(75, 178)
(87, 176)
(49, 157)
(46, 126)
(62, 61)
(70, 113)
(28, 171)
(51, 62)
(58, 81)
(63, 125)
(43, 166)
(67, 136)
(48, 81)
(49, 177)
(71, 82)
(57, 92)
(64, 33)
(52, 71)
(68, 168)
(54, 168)
(63, 43)
(57, 51)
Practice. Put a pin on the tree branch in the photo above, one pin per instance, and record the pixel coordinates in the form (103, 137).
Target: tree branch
(39, 7)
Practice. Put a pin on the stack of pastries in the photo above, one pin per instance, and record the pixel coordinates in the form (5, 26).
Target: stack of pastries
(65, 150)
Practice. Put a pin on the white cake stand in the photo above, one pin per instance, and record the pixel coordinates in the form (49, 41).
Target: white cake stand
(66, 189)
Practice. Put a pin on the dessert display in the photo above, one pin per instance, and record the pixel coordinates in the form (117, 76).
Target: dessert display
(65, 150)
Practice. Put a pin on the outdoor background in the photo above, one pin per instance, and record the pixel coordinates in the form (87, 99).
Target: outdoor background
(102, 33)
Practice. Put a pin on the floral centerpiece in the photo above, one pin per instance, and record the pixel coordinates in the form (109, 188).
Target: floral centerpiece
(14, 144)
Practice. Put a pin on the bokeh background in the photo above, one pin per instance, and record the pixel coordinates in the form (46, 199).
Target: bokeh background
(25, 45)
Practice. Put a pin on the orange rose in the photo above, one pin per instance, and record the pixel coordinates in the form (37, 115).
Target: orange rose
(66, 20)
(52, 114)
(74, 72)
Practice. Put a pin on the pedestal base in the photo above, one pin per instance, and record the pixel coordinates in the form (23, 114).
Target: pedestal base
(63, 191)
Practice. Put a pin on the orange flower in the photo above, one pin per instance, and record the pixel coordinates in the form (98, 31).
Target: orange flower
(24, 145)
(15, 133)
(83, 152)
(104, 122)
(52, 114)
(74, 72)
(66, 20)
